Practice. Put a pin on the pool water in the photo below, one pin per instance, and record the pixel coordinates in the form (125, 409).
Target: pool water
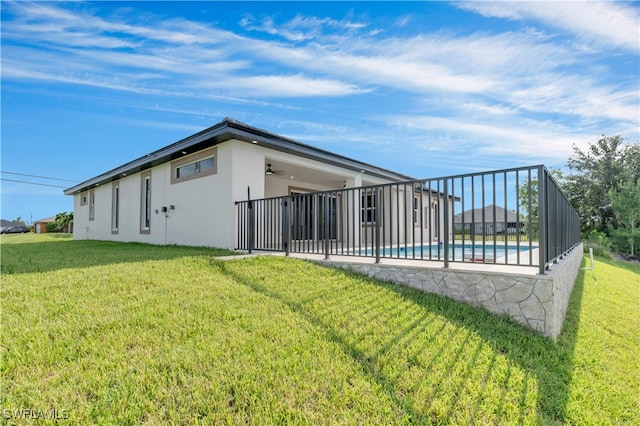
(456, 251)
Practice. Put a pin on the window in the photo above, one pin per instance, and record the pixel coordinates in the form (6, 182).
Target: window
(368, 206)
(145, 203)
(416, 211)
(115, 207)
(194, 166)
(436, 219)
(84, 199)
(92, 204)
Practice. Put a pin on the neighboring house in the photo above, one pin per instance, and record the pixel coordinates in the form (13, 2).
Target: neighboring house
(185, 193)
(8, 223)
(489, 220)
(40, 226)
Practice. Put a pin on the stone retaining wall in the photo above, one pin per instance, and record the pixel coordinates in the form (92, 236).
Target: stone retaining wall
(536, 301)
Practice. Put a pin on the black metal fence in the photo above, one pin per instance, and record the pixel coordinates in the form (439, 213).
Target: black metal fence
(512, 217)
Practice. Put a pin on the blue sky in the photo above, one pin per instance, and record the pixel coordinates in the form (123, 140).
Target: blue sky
(423, 88)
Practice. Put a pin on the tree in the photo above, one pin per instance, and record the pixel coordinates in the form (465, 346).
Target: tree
(602, 169)
(632, 163)
(528, 196)
(61, 221)
(626, 204)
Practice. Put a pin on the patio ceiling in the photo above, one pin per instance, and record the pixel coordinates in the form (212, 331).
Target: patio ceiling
(294, 172)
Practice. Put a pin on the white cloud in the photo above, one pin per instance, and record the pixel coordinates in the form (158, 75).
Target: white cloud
(513, 70)
(524, 139)
(285, 86)
(604, 23)
(478, 63)
(503, 92)
(577, 96)
(302, 28)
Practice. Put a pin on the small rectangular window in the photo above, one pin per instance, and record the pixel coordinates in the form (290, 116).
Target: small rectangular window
(115, 208)
(368, 207)
(436, 219)
(201, 164)
(92, 204)
(145, 203)
(84, 199)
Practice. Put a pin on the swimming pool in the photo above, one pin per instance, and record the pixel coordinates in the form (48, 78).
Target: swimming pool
(469, 252)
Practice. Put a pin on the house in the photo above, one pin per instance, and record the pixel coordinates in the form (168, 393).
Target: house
(186, 193)
(490, 220)
(8, 223)
(40, 226)
(238, 187)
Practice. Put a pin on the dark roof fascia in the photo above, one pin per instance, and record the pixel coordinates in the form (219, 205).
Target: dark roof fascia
(226, 130)
(280, 143)
(155, 158)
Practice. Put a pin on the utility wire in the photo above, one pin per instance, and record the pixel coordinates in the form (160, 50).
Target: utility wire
(39, 177)
(34, 183)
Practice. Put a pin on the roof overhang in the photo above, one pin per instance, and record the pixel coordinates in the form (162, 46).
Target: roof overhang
(224, 131)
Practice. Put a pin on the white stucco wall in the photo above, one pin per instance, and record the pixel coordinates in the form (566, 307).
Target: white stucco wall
(100, 227)
(201, 206)
(204, 208)
(201, 215)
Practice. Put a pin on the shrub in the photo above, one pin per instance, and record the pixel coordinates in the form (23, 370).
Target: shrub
(621, 241)
(599, 242)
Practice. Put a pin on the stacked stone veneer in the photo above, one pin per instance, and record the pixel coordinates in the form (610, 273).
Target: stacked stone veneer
(536, 301)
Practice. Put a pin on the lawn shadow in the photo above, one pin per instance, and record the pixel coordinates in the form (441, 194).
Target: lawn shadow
(548, 362)
(366, 364)
(28, 257)
(551, 363)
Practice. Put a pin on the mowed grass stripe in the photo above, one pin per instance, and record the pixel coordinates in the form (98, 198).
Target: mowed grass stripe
(420, 373)
(110, 344)
(132, 333)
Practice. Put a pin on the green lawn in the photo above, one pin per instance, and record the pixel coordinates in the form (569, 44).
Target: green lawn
(114, 333)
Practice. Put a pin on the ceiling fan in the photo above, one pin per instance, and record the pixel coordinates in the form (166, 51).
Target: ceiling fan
(270, 171)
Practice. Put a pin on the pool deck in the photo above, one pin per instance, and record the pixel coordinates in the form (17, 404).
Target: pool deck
(428, 264)
(498, 268)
